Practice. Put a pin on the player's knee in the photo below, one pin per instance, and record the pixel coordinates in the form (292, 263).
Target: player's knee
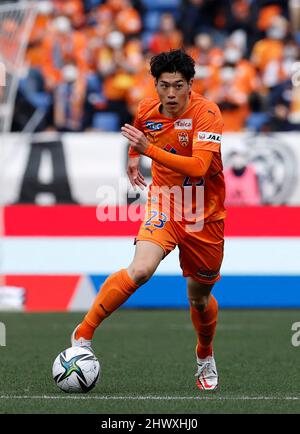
(199, 304)
(141, 273)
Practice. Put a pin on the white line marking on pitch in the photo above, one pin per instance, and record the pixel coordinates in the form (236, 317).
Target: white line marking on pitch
(158, 398)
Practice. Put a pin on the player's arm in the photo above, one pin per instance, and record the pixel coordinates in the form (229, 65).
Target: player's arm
(133, 153)
(195, 166)
(206, 141)
(135, 176)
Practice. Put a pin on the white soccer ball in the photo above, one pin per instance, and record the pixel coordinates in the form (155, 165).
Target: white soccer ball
(76, 370)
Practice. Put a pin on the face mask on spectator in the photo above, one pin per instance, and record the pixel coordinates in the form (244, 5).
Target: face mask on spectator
(45, 7)
(290, 52)
(232, 55)
(203, 41)
(239, 161)
(239, 39)
(70, 73)
(227, 73)
(276, 32)
(167, 23)
(62, 25)
(115, 40)
(202, 71)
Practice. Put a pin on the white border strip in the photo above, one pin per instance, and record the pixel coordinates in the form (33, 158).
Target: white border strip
(153, 398)
(243, 256)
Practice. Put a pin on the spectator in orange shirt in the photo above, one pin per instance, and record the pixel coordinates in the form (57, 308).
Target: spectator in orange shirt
(208, 59)
(128, 20)
(142, 87)
(204, 52)
(168, 37)
(100, 23)
(72, 9)
(237, 79)
(108, 17)
(267, 54)
(34, 54)
(117, 61)
(266, 16)
(62, 45)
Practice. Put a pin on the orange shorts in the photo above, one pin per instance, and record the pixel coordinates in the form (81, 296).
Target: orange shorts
(201, 253)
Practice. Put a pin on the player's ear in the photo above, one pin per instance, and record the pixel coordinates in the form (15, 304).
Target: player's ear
(191, 83)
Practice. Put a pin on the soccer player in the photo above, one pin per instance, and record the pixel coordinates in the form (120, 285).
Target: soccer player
(181, 132)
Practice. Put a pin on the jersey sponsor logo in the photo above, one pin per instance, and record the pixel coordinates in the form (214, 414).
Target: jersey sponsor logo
(183, 124)
(209, 137)
(154, 126)
(183, 138)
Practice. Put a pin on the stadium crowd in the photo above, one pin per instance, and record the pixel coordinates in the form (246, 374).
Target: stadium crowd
(88, 60)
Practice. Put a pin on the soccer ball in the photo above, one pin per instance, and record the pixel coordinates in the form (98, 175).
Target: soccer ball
(76, 370)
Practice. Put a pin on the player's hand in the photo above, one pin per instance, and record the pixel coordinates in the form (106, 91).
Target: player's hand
(134, 175)
(136, 138)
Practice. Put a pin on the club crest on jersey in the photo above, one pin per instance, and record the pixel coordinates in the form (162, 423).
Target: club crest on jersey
(154, 126)
(183, 124)
(209, 137)
(183, 139)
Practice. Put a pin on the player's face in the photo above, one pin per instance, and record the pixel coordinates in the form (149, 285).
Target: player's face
(174, 92)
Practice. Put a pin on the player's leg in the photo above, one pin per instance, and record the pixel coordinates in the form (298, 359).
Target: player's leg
(201, 256)
(204, 314)
(117, 288)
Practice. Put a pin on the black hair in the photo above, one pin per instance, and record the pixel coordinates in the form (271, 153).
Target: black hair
(173, 61)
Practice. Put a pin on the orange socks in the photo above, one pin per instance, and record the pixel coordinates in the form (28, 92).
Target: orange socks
(116, 289)
(205, 325)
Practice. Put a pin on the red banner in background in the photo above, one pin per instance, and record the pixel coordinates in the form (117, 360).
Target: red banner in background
(69, 221)
(45, 293)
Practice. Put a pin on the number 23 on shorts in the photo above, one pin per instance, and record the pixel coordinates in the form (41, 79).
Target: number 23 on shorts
(159, 222)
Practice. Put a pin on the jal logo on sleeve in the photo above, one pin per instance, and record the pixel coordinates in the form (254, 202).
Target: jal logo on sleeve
(209, 137)
(183, 124)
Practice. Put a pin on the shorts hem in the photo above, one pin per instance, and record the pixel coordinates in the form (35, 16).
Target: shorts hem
(201, 279)
(166, 252)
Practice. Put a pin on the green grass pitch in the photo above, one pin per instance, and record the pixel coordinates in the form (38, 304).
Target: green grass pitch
(148, 364)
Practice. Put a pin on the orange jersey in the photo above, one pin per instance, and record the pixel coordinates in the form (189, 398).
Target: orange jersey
(199, 128)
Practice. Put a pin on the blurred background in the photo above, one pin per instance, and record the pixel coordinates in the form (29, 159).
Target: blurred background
(71, 73)
(86, 62)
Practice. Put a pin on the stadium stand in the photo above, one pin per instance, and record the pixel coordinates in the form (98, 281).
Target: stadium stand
(87, 60)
